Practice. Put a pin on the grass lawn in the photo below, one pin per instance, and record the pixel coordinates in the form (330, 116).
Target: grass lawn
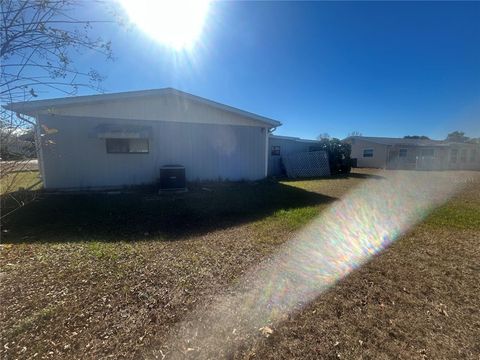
(20, 179)
(88, 276)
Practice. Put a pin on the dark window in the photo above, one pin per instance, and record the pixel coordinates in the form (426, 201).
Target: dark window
(127, 146)
(368, 153)
(402, 153)
(453, 155)
(275, 150)
(427, 152)
(463, 155)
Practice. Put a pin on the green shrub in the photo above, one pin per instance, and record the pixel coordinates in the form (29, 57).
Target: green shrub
(338, 155)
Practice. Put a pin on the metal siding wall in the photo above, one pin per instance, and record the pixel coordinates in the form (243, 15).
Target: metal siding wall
(75, 159)
(468, 164)
(379, 159)
(287, 147)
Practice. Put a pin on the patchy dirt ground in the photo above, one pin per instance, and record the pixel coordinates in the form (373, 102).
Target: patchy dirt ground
(80, 278)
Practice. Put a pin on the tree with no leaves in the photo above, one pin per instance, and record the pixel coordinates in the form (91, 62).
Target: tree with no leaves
(324, 136)
(355, 133)
(39, 40)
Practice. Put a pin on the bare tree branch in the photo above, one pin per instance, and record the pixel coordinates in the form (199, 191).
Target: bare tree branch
(38, 41)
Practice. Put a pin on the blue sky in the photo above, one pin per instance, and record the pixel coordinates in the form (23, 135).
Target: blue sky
(383, 69)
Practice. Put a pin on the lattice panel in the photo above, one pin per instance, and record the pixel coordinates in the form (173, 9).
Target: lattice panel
(306, 164)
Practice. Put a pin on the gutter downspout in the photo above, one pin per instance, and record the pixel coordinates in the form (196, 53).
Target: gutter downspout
(267, 132)
(387, 153)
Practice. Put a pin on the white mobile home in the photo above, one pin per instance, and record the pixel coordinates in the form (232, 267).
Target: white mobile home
(413, 154)
(283, 146)
(123, 139)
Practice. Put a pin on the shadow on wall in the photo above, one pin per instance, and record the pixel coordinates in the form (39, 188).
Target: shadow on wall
(134, 216)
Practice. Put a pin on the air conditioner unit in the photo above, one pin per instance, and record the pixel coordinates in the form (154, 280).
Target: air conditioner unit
(172, 177)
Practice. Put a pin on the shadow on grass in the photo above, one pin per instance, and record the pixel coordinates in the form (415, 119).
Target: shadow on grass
(83, 217)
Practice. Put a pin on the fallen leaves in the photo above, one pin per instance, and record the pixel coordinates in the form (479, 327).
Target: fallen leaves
(119, 298)
(266, 331)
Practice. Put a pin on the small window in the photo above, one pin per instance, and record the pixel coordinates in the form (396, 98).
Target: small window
(368, 153)
(427, 152)
(127, 146)
(453, 155)
(402, 153)
(473, 155)
(275, 150)
(463, 155)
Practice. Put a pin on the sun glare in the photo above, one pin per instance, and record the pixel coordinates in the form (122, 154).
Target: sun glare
(175, 23)
(340, 240)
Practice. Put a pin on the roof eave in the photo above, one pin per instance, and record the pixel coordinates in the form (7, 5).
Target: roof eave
(31, 107)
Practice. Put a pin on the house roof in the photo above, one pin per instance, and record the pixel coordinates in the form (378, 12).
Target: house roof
(400, 141)
(280, 137)
(32, 107)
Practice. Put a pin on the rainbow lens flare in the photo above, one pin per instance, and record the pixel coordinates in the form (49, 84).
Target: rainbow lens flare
(342, 238)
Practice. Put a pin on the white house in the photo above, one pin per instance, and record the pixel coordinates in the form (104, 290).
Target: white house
(414, 154)
(124, 138)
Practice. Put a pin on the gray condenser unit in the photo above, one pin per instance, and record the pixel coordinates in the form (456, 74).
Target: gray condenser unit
(172, 177)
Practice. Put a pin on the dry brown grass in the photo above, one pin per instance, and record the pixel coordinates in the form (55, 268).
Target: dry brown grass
(68, 295)
(418, 300)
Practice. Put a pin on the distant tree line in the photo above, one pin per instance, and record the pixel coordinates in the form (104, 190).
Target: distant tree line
(459, 136)
(455, 136)
(423, 137)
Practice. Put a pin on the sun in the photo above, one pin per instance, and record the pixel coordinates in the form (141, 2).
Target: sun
(175, 23)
